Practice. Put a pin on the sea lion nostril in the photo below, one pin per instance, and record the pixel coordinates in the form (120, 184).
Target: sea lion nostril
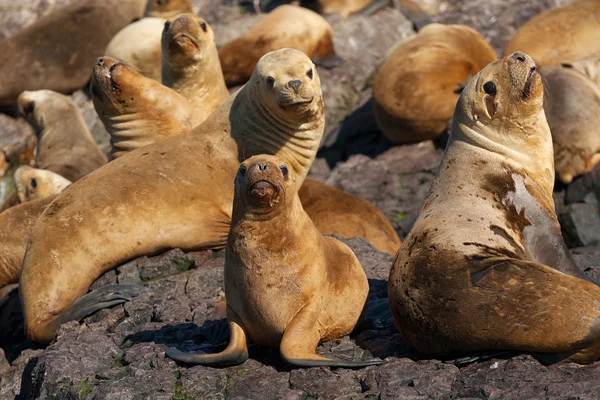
(262, 166)
(517, 55)
(295, 85)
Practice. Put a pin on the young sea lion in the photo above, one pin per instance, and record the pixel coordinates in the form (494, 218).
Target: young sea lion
(286, 26)
(134, 109)
(560, 35)
(485, 266)
(33, 184)
(418, 84)
(178, 184)
(64, 143)
(191, 66)
(572, 107)
(286, 285)
(57, 50)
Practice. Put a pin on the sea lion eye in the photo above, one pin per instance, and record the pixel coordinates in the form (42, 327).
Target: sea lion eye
(33, 182)
(243, 171)
(489, 88)
(203, 26)
(270, 81)
(284, 170)
(310, 73)
(29, 107)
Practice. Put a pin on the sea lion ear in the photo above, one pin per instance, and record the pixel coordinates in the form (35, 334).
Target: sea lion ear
(566, 65)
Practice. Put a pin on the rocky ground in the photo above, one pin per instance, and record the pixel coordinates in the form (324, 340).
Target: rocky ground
(119, 353)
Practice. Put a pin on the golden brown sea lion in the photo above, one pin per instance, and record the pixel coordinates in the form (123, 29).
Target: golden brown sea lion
(57, 50)
(572, 106)
(134, 109)
(485, 266)
(417, 85)
(335, 212)
(191, 64)
(560, 35)
(172, 193)
(286, 285)
(286, 26)
(64, 143)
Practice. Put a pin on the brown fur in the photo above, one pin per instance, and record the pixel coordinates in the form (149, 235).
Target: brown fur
(57, 50)
(485, 266)
(335, 212)
(286, 26)
(416, 87)
(562, 34)
(173, 193)
(572, 106)
(64, 143)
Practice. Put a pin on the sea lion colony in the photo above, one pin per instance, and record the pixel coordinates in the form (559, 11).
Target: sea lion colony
(193, 167)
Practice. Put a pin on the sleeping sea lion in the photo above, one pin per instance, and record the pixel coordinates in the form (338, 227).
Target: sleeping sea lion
(418, 84)
(485, 266)
(170, 194)
(64, 143)
(286, 285)
(33, 184)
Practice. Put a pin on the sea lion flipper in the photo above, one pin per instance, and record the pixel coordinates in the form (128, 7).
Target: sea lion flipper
(329, 62)
(103, 297)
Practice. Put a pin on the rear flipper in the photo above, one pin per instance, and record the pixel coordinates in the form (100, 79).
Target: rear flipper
(315, 360)
(103, 297)
(329, 62)
(459, 362)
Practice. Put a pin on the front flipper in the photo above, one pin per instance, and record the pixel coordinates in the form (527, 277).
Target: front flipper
(300, 340)
(235, 353)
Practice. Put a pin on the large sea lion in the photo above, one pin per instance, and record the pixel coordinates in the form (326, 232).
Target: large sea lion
(572, 106)
(134, 109)
(560, 35)
(64, 143)
(417, 85)
(286, 285)
(138, 44)
(172, 193)
(57, 50)
(286, 26)
(485, 266)
(190, 64)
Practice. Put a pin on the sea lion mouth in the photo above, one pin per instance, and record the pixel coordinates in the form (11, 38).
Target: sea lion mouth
(295, 105)
(183, 39)
(264, 192)
(529, 83)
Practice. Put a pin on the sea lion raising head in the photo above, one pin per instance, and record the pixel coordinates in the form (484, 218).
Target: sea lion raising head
(33, 184)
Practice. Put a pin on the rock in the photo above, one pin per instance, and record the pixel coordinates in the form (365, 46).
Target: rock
(580, 222)
(19, 14)
(583, 185)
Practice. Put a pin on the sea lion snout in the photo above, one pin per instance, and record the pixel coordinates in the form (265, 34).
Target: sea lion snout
(295, 85)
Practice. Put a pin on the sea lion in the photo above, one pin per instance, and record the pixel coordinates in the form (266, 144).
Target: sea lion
(169, 194)
(286, 26)
(335, 212)
(418, 84)
(485, 266)
(33, 184)
(134, 109)
(286, 285)
(572, 106)
(138, 44)
(64, 143)
(560, 35)
(190, 64)
(57, 50)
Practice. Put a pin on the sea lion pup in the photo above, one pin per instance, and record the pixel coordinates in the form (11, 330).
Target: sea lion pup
(485, 266)
(572, 106)
(335, 212)
(560, 35)
(138, 44)
(172, 193)
(286, 26)
(134, 109)
(64, 143)
(33, 184)
(190, 64)
(273, 246)
(418, 84)
(57, 50)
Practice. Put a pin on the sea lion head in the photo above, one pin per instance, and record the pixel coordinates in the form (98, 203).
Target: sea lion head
(114, 85)
(167, 8)
(288, 84)
(33, 184)
(262, 184)
(42, 108)
(185, 40)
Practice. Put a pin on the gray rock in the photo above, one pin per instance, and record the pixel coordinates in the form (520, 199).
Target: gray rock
(580, 222)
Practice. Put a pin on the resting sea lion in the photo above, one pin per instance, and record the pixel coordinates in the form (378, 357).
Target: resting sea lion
(417, 85)
(134, 109)
(57, 50)
(191, 64)
(286, 285)
(64, 143)
(572, 106)
(138, 44)
(560, 35)
(169, 194)
(33, 184)
(485, 266)
(286, 26)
